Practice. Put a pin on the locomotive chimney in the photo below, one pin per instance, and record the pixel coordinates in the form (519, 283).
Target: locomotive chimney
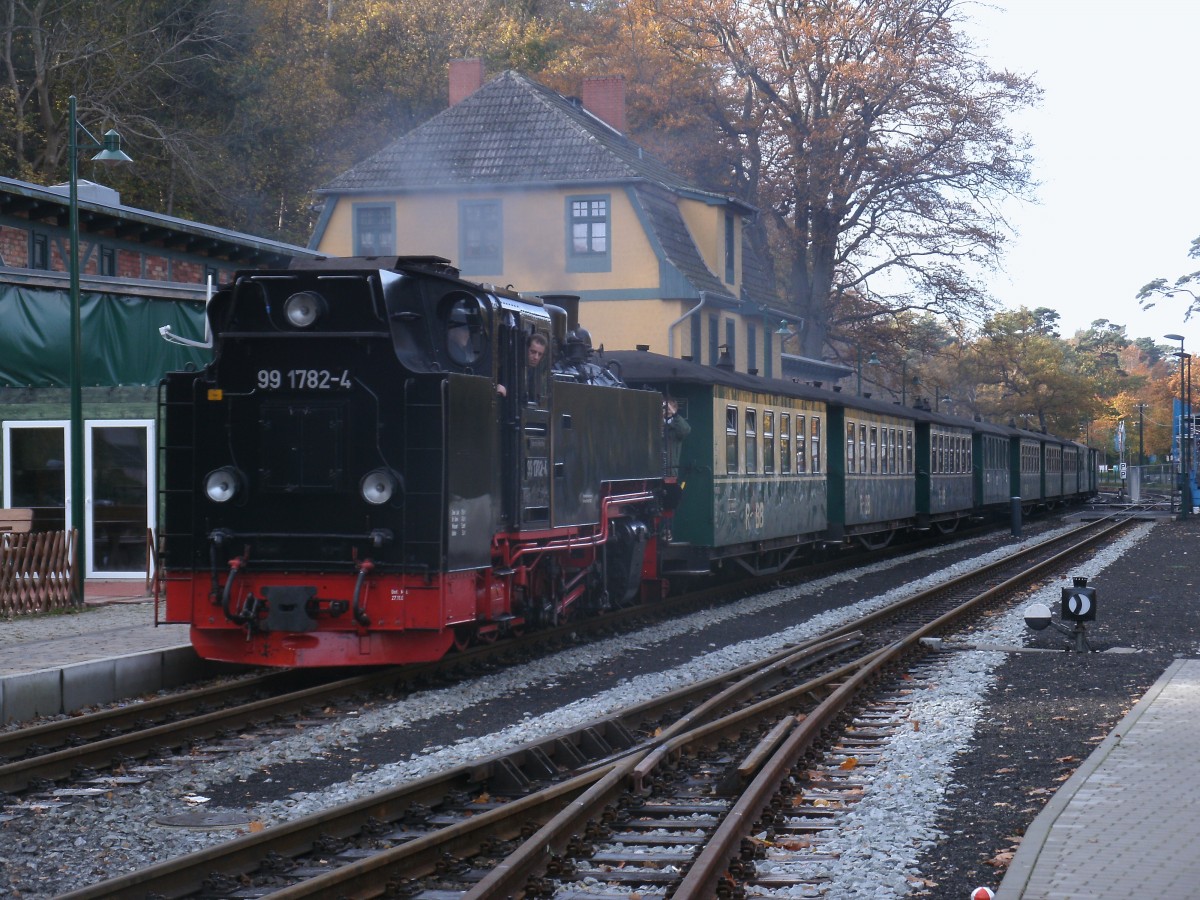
(466, 77)
(604, 98)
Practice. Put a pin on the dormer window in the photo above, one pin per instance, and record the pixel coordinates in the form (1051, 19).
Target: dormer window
(589, 245)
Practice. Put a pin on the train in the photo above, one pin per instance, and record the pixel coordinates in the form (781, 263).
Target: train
(384, 462)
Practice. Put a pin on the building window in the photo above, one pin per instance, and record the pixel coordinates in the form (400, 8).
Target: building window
(589, 245)
(108, 261)
(714, 341)
(731, 341)
(751, 347)
(374, 230)
(730, 244)
(39, 252)
(480, 237)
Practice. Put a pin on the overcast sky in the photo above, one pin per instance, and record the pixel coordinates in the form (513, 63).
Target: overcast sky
(1118, 156)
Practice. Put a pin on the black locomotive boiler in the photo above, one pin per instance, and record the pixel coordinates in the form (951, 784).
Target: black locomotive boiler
(383, 461)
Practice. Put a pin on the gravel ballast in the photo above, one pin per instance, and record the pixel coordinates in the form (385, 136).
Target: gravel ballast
(1000, 730)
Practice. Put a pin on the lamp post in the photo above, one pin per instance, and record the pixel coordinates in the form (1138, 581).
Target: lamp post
(873, 361)
(1184, 500)
(110, 151)
(1141, 408)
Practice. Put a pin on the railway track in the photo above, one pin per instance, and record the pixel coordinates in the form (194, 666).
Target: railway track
(668, 792)
(80, 746)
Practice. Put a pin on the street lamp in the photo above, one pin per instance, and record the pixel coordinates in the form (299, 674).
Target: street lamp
(110, 151)
(873, 361)
(1185, 501)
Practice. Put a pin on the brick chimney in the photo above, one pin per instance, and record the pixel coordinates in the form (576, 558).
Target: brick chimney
(466, 77)
(604, 97)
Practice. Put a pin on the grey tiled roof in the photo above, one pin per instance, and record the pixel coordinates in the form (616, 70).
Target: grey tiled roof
(676, 241)
(511, 132)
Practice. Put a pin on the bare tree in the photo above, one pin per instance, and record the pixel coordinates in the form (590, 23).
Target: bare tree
(129, 65)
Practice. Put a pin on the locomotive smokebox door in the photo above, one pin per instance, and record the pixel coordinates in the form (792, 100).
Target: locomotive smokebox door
(1078, 602)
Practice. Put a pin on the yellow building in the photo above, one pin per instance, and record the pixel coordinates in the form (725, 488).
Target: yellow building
(518, 185)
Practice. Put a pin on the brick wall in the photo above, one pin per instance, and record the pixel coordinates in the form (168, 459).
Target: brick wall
(14, 246)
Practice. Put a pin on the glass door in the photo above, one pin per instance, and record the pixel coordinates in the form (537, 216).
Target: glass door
(119, 480)
(36, 463)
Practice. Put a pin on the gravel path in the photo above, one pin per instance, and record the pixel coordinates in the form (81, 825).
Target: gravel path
(998, 734)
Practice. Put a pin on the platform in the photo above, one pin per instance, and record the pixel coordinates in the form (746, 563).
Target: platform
(1127, 823)
(107, 651)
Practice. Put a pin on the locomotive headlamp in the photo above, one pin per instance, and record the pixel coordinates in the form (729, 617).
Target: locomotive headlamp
(378, 486)
(222, 484)
(304, 308)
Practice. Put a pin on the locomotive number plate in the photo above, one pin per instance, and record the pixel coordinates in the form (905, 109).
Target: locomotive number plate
(303, 379)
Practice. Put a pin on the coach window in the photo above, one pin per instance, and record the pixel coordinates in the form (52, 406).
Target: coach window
(731, 439)
(785, 444)
(874, 450)
(768, 442)
(862, 449)
(908, 452)
(816, 446)
(751, 441)
(851, 455)
(891, 451)
(801, 446)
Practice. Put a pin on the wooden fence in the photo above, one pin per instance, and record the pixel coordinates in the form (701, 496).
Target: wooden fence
(35, 572)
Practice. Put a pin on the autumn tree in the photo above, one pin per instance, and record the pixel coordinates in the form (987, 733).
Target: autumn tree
(876, 142)
(1027, 373)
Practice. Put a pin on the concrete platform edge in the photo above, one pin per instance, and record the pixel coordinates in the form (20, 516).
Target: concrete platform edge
(66, 689)
(1016, 879)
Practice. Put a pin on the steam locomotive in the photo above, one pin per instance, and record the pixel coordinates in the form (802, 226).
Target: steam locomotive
(370, 471)
(382, 463)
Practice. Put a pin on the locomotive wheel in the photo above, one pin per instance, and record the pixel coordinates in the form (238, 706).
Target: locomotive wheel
(463, 637)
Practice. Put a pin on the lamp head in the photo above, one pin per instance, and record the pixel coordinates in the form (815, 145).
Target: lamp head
(112, 151)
